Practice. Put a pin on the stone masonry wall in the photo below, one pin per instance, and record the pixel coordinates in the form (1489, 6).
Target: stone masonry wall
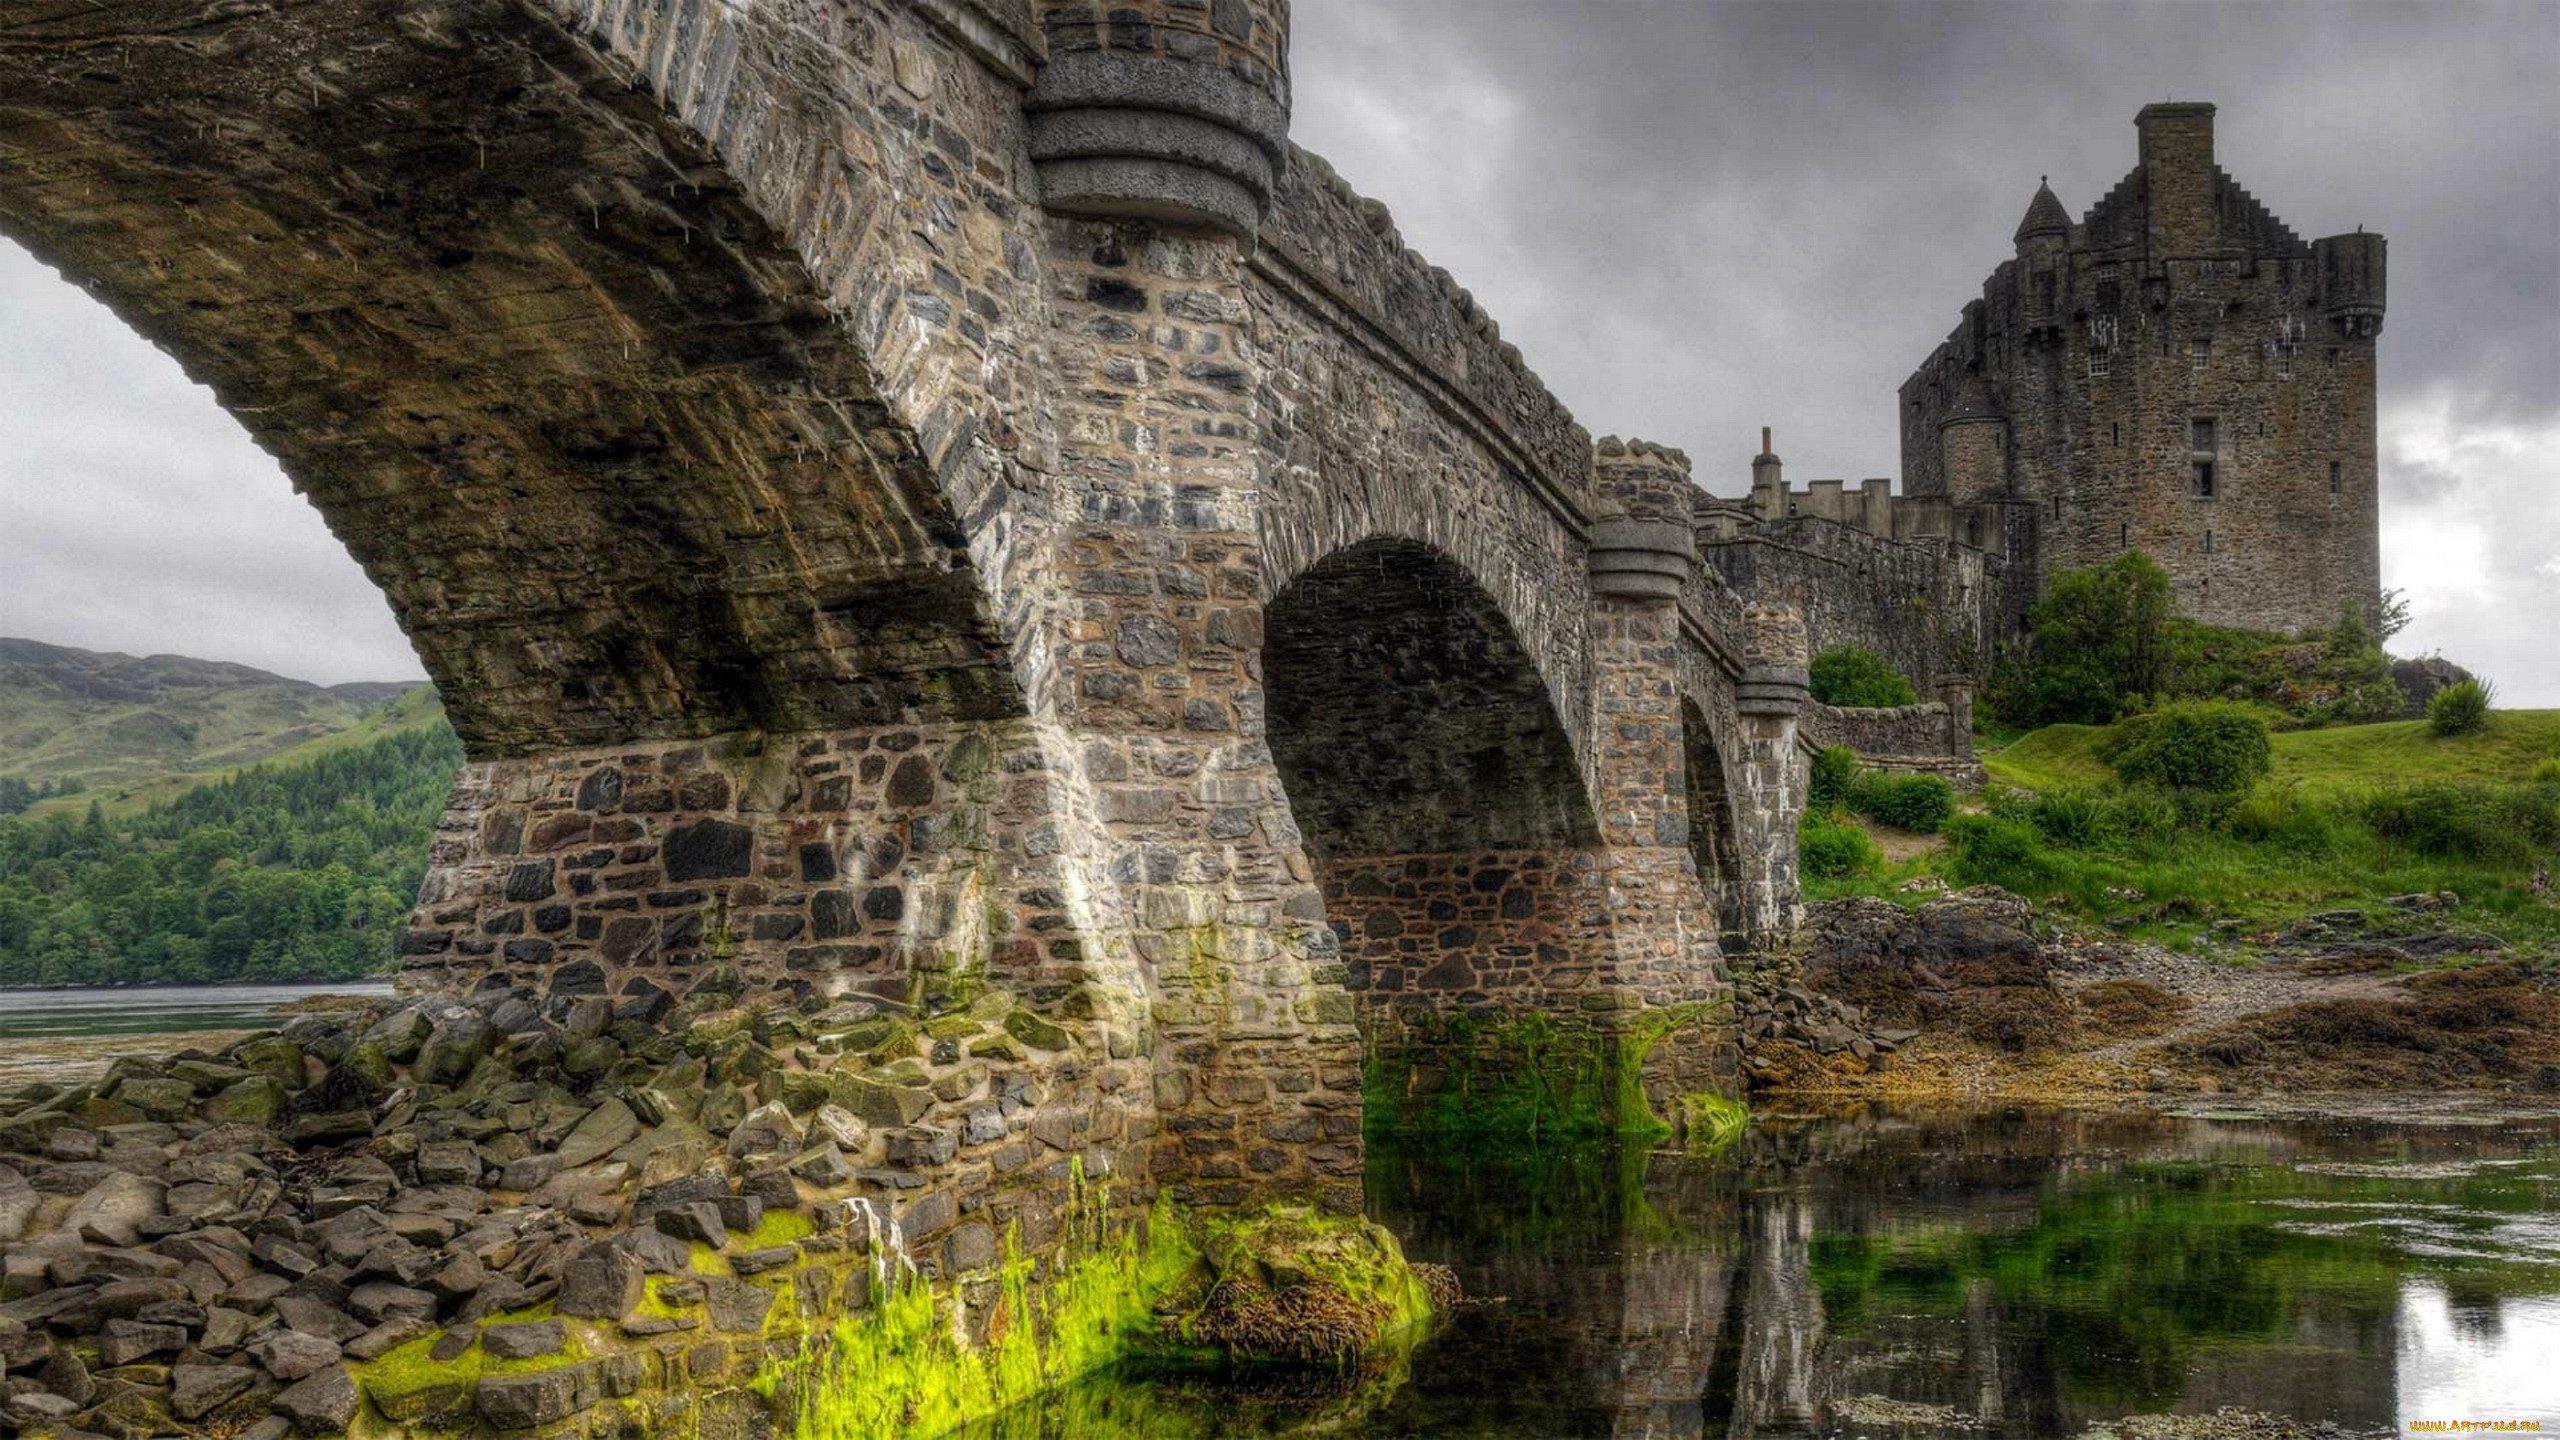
(1917, 739)
(1929, 606)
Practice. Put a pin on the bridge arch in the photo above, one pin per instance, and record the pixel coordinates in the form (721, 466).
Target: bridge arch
(1715, 842)
(543, 363)
(1406, 717)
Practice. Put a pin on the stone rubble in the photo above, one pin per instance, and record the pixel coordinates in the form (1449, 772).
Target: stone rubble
(435, 1180)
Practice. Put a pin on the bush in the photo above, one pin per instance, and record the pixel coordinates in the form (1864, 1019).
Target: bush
(1917, 803)
(1835, 773)
(1828, 850)
(2547, 772)
(2461, 709)
(2283, 818)
(1991, 850)
(1848, 676)
(2209, 745)
(2465, 822)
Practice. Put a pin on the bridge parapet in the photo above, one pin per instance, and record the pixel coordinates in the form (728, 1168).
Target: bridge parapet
(1413, 316)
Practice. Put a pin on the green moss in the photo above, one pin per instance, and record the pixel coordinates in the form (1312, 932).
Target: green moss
(1713, 1122)
(778, 1227)
(1522, 1076)
(904, 1367)
(409, 1383)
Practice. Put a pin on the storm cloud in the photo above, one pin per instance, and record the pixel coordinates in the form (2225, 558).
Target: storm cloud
(1694, 220)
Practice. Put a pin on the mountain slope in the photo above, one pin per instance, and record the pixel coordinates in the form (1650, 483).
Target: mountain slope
(132, 730)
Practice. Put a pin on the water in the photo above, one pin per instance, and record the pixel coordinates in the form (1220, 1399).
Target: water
(1987, 1274)
(157, 1009)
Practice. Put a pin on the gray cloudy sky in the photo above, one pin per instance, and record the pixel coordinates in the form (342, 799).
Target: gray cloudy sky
(1694, 219)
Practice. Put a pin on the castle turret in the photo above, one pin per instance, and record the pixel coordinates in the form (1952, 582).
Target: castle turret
(1168, 110)
(2047, 226)
(2351, 282)
(2177, 169)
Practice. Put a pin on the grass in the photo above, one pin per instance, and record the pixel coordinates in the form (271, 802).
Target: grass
(2182, 884)
(418, 710)
(2323, 761)
(2050, 758)
(2399, 751)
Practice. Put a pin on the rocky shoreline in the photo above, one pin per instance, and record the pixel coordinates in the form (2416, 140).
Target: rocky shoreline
(575, 1217)
(1969, 997)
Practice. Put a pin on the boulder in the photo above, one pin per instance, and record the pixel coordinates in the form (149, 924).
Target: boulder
(323, 1403)
(601, 1282)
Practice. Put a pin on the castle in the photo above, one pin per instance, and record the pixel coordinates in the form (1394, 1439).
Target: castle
(2176, 373)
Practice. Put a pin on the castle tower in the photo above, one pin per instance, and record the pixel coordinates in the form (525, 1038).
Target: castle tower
(2179, 373)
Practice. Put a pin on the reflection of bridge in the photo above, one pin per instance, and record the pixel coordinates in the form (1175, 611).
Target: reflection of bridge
(1742, 1296)
(908, 498)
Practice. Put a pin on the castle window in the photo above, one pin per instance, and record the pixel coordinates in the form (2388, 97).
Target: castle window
(2200, 436)
(2115, 434)
(2204, 480)
(2199, 354)
(2124, 537)
(2208, 542)
(2335, 477)
(2102, 362)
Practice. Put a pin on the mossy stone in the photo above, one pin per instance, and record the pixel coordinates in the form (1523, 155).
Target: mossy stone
(254, 1101)
(1037, 1032)
(274, 1056)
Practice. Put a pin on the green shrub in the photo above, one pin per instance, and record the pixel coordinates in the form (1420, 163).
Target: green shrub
(2511, 823)
(2212, 746)
(1848, 676)
(2079, 818)
(2065, 693)
(2461, 709)
(2547, 772)
(2283, 818)
(1991, 850)
(1828, 850)
(1835, 773)
(1917, 803)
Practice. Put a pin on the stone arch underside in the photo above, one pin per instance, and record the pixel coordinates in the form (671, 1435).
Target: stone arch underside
(1441, 807)
(540, 364)
(1407, 719)
(1714, 842)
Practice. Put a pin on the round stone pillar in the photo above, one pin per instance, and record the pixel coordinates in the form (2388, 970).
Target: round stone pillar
(1163, 110)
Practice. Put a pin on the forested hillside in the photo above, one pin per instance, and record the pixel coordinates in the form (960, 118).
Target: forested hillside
(131, 730)
(287, 871)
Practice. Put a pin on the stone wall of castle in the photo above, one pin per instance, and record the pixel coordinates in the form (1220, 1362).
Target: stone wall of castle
(2178, 373)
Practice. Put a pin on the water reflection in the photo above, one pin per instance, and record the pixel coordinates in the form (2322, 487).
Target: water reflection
(2010, 1274)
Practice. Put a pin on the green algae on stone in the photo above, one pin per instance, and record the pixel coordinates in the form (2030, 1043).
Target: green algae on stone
(1132, 1289)
(1521, 1076)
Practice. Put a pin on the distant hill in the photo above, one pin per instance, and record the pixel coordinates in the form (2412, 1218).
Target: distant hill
(131, 731)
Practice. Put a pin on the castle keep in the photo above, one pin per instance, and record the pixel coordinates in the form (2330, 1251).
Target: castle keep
(2176, 373)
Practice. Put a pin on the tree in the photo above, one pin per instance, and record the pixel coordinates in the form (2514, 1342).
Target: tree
(2101, 642)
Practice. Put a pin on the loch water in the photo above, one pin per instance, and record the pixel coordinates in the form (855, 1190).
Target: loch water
(1989, 1273)
(157, 1009)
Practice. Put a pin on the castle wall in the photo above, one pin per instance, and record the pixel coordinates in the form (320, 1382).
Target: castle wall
(1927, 605)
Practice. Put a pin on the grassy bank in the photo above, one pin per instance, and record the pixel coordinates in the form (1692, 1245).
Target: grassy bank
(2348, 817)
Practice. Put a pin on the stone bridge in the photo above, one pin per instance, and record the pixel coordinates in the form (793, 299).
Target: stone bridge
(937, 504)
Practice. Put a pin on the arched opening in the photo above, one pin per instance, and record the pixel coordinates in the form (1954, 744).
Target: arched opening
(1440, 802)
(624, 471)
(542, 365)
(1405, 717)
(1713, 841)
